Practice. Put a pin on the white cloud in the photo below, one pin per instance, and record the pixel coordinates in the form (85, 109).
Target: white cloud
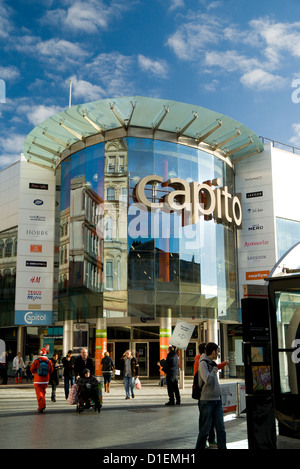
(11, 148)
(260, 79)
(257, 54)
(88, 16)
(230, 61)
(174, 4)
(114, 72)
(157, 67)
(61, 49)
(38, 113)
(9, 73)
(86, 90)
(194, 36)
(6, 24)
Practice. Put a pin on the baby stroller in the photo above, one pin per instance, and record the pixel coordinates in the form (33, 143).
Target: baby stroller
(89, 393)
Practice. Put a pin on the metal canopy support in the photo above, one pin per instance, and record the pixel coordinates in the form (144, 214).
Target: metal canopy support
(43, 147)
(160, 118)
(56, 140)
(117, 114)
(73, 132)
(92, 123)
(44, 158)
(181, 131)
(127, 121)
(235, 150)
(243, 157)
(227, 140)
(124, 122)
(200, 138)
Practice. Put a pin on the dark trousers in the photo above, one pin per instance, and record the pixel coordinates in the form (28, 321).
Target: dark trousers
(85, 394)
(173, 390)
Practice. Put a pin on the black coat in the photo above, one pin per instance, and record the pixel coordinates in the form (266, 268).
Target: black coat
(171, 365)
(107, 364)
(54, 378)
(68, 367)
(81, 364)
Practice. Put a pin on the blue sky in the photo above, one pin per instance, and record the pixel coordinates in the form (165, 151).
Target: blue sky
(236, 57)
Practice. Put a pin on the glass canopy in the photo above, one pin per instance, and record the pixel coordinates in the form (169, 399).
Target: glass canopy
(72, 129)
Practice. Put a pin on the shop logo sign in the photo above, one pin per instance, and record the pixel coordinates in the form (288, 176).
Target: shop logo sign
(250, 195)
(40, 186)
(196, 199)
(34, 318)
(38, 202)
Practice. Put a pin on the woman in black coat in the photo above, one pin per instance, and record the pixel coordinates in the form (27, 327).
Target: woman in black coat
(54, 378)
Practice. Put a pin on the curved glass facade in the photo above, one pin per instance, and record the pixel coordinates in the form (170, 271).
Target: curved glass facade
(117, 259)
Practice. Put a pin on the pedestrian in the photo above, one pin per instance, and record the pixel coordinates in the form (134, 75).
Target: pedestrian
(88, 389)
(41, 369)
(201, 349)
(54, 378)
(69, 372)
(171, 368)
(130, 371)
(211, 437)
(18, 367)
(82, 362)
(3, 366)
(210, 403)
(107, 369)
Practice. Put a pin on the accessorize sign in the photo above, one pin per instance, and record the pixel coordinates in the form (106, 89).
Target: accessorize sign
(198, 199)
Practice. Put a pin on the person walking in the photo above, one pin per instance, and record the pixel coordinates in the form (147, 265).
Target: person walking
(130, 371)
(171, 368)
(107, 369)
(211, 437)
(41, 369)
(18, 367)
(82, 362)
(54, 378)
(69, 373)
(210, 403)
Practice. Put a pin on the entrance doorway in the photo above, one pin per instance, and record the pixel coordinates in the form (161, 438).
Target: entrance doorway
(147, 354)
(142, 355)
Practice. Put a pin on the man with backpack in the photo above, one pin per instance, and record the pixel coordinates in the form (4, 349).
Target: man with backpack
(41, 369)
(210, 403)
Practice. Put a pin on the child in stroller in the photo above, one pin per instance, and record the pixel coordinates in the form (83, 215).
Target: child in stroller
(88, 392)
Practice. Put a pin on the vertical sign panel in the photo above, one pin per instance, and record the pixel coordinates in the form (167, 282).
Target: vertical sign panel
(35, 263)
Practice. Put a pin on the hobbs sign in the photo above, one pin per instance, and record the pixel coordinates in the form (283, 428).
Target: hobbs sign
(197, 199)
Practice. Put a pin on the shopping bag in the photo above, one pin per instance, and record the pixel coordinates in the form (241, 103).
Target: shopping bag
(73, 395)
(138, 384)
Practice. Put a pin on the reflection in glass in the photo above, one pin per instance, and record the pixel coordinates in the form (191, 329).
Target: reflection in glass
(118, 259)
(288, 331)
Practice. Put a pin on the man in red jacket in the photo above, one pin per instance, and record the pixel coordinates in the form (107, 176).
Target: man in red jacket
(41, 369)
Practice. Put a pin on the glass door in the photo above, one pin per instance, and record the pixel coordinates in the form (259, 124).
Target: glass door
(141, 351)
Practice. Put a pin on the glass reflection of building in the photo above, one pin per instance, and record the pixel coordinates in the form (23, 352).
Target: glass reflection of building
(120, 265)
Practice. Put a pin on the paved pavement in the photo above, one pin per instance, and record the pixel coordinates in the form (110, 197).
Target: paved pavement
(140, 423)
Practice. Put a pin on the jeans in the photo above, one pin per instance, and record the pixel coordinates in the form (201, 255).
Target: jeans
(211, 414)
(67, 382)
(129, 383)
(18, 372)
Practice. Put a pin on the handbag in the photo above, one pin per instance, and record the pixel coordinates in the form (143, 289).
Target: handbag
(73, 395)
(138, 384)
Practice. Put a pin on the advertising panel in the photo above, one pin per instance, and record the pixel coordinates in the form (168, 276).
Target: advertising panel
(256, 239)
(35, 263)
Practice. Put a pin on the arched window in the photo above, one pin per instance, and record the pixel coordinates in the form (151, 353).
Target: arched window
(8, 248)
